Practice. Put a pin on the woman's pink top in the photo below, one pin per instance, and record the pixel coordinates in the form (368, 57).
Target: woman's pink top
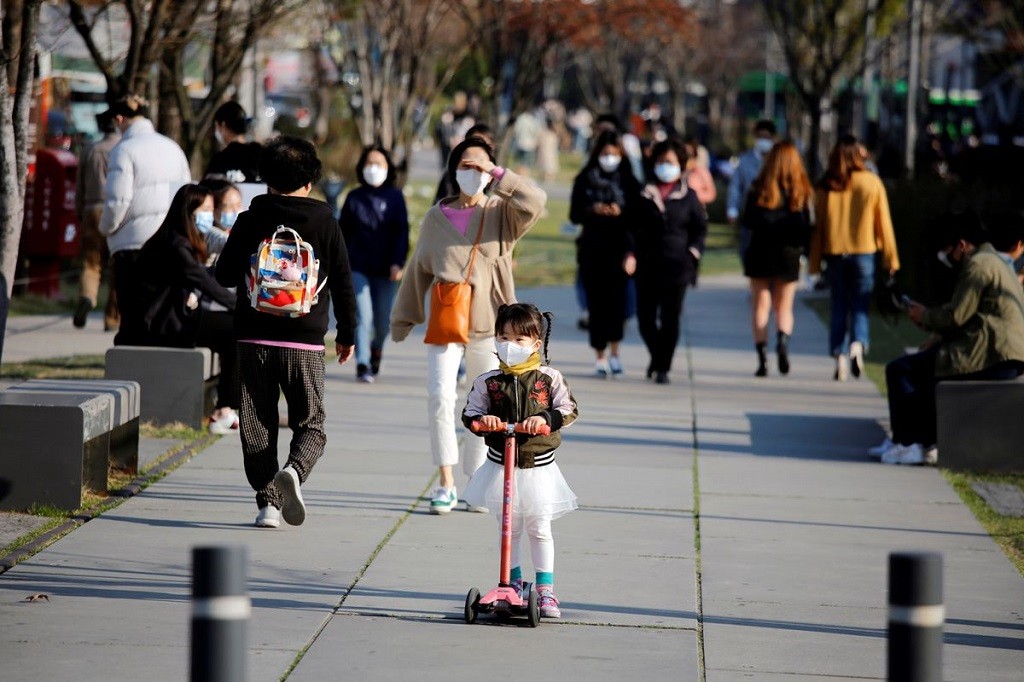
(460, 217)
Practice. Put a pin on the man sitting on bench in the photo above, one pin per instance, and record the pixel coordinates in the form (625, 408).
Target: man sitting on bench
(977, 335)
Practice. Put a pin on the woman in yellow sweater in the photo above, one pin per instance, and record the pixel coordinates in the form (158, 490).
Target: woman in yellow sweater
(852, 224)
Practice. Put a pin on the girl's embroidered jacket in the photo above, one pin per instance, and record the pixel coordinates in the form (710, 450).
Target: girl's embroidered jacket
(513, 398)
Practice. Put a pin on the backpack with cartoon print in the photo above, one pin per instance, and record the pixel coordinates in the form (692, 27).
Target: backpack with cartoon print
(284, 275)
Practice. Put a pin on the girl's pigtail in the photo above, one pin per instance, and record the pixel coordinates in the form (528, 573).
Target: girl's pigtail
(547, 315)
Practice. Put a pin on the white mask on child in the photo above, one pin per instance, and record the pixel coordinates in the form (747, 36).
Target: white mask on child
(511, 353)
(471, 181)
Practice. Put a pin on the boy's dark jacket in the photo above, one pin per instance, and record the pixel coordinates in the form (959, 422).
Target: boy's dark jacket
(512, 398)
(314, 222)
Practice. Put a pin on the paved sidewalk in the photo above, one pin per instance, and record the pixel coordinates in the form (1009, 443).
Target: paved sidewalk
(794, 530)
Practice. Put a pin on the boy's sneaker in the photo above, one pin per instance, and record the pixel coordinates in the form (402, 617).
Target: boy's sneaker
(856, 359)
(293, 509)
(904, 454)
(615, 365)
(548, 603)
(226, 424)
(881, 448)
(269, 517)
(444, 500)
(602, 369)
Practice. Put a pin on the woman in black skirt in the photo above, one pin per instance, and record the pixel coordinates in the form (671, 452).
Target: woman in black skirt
(779, 221)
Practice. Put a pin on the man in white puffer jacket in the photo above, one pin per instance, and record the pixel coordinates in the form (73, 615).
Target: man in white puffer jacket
(145, 169)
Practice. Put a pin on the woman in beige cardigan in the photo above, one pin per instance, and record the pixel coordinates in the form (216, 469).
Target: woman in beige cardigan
(442, 254)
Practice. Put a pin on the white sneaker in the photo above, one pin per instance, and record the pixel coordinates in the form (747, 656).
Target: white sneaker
(904, 454)
(856, 358)
(842, 368)
(269, 517)
(881, 448)
(293, 509)
(477, 510)
(444, 500)
(602, 370)
(227, 423)
(615, 365)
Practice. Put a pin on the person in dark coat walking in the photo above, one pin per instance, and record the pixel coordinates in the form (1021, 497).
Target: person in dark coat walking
(603, 195)
(670, 228)
(375, 224)
(778, 216)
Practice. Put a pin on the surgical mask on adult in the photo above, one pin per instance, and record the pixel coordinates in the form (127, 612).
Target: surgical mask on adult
(943, 257)
(666, 172)
(375, 175)
(228, 218)
(204, 221)
(763, 145)
(609, 162)
(471, 181)
(511, 353)
(219, 136)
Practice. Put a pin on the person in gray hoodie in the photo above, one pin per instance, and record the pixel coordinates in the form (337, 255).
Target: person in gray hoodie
(144, 171)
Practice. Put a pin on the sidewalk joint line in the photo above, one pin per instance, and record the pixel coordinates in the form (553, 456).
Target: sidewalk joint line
(698, 566)
(355, 581)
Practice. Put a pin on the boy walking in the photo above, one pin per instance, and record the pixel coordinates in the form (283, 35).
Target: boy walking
(286, 354)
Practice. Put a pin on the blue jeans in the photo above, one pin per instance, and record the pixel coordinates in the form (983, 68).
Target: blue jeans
(852, 279)
(374, 296)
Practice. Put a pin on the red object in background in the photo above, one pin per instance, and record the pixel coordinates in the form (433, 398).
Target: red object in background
(50, 232)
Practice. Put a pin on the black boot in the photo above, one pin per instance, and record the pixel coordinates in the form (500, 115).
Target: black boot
(782, 348)
(762, 360)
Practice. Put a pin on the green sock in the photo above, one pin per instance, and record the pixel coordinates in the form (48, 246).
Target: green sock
(546, 578)
(516, 573)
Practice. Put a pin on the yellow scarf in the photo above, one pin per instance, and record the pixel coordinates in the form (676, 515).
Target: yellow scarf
(533, 362)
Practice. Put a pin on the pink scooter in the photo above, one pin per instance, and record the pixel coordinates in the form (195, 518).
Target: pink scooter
(504, 600)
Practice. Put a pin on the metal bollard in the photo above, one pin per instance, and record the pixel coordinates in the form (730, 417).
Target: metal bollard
(916, 617)
(220, 611)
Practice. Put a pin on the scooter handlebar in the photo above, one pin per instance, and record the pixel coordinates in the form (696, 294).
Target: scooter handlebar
(478, 427)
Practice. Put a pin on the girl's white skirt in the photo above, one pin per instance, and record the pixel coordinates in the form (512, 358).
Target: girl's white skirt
(539, 491)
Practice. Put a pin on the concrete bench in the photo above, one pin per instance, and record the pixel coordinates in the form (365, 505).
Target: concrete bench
(124, 433)
(981, 425)
(177, 384)
(53, 446)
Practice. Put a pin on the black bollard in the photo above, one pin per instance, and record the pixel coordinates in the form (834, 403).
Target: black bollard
(220, 612)
(916, 617)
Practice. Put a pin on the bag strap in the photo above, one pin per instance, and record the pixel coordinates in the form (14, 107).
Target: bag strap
(476, 244)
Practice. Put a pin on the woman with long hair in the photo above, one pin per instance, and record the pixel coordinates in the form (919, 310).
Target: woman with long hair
(603, 194)
(778, 216)
(166, 310)
(852, 224)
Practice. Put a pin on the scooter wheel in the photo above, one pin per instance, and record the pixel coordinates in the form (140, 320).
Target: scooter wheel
(533, 612)
(472, 605)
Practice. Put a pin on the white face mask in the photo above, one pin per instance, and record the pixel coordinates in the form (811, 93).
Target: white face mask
(609, 162)
(666, 172)
(763, 145)
(471, 181)
(511, 353)
(375, 175)
(943, 257)
(219, 136)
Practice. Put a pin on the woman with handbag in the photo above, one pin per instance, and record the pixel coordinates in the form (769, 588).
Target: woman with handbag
(164, 310)
(463, 262)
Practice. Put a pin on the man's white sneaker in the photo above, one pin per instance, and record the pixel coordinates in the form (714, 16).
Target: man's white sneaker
(293, 509)
(269, 517)
(444, 500)
(904, 454)
(856, 358)
(881, 448)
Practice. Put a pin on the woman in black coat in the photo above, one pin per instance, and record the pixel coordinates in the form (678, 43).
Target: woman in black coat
(603, 196)
(165, 309)
(670, 227)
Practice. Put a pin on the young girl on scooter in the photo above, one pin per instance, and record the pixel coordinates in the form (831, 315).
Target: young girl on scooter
(526, 391)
